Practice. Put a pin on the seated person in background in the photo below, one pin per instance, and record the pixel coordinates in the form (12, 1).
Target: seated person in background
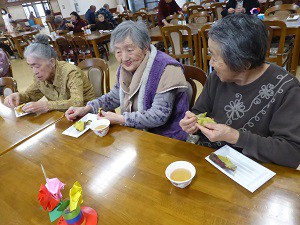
(165, 9)
(90, 15)
(49, 16)
(31, 16)
(254, 103)
(107, 15)
(150, 88)
(239, 6)
(60, 25)
(62, 83)
(102, 24)
(77, 23)
(8, 49)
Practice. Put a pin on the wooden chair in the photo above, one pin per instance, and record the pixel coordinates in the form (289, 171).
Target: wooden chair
(216, 9)
(192, 74)
(98, 73)
(173, 37)
(194, 9)
(123, 17)
(282, 11)
(278, 52)
(173, 19)
(65, 50)
(202, 34)
(143, 10)
(8, 86)
(82, 49)
(207, 3)
(141, 16)
(200, 18)
(187, 4)
(51, 26)
(22, 42)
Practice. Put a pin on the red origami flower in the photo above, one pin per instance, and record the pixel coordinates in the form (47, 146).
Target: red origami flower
(46, 199)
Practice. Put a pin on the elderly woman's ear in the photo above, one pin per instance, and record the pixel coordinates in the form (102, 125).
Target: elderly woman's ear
(53, 62)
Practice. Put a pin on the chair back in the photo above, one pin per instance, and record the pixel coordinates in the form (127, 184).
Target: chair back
(194, 9)
(82, 49)
(173, 19)
(98, 74)
(200, 18)
(207, 3)
(9, 85)
(278, 52)
(282, 11)
(217, 8)
(173, 37)
(65, 50)
(203, 35)
(140, 16)
(144, 10)
(192, 74)
(187, 4)
(123, 17)
(10, 41)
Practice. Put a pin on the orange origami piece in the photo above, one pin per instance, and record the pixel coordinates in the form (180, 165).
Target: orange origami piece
(46, 199)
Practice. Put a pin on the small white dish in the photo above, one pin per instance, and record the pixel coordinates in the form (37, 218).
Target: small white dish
(19, 114)
(180, 165)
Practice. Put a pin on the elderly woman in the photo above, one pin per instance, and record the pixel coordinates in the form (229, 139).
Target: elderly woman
(77, 23)
(239, 6)
(150, 88)
(60, 24)
(165, 9)
(63, 84)
(253, 103)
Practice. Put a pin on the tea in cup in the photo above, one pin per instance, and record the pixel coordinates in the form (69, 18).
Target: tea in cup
(100, 127)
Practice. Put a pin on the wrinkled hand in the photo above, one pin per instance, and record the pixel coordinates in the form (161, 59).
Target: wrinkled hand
(73, 112)
(231, 10)
(188, 123)
(219, 132)
(13, 100)
(114, 118)
(38, 107)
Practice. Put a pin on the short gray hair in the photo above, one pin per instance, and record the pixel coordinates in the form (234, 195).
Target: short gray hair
(136, 31)
(40, 48)
(58, 20)
(106, 5)
(243, 40)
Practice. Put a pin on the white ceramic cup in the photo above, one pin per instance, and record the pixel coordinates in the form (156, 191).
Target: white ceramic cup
(180, 165)
(100, 132)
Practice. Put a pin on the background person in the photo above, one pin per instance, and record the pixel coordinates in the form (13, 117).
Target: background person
(62, 83)
(102, 24)
(60, 25)
(90, 15)
(150, 88)
(77, 23)
(107, 15)
(165, 9)
(7, 19)
(239, 6)
(254, 103)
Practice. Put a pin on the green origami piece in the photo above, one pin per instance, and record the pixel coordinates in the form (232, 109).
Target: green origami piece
(55, 213)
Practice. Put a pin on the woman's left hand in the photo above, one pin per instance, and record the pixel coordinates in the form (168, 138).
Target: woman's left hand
(38, 107)
(219, 132)
(114, 118)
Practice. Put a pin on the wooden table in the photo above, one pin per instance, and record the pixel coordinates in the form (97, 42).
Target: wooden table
(94, 39)
(122, 175)
(16, 130)
(293, 28)
(17, 36)
(156, 35)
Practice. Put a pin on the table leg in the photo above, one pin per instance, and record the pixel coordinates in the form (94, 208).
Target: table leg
(95, 47)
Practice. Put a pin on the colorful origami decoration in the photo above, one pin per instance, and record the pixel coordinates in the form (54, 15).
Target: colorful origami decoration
(46, 199)
(75, 196)
(255, 11)
(54, 186)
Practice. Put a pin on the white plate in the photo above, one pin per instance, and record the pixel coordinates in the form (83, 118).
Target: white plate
(19, 114)
(248, 174)
(295, 17)
(71, 131)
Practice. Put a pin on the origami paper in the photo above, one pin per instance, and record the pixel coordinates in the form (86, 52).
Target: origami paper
(54, 186)
(64, 205)
(75, 196)
(55, 213)
(47, 201)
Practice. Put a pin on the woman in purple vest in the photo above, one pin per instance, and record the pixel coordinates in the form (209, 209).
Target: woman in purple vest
(150, 88)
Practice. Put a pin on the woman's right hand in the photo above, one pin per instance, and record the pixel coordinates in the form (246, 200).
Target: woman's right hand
(73, 112)
(188, 123)
(12, 100)
(231, 10)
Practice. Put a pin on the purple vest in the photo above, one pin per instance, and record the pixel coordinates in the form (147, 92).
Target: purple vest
(171, 128)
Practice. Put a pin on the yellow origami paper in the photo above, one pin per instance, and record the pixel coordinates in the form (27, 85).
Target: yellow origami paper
(75, 196)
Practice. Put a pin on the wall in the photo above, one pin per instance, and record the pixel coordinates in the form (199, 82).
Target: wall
(17, 12)
(55, 6)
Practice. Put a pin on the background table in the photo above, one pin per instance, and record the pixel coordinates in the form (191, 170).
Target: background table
(15, 130)
(122, 175)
